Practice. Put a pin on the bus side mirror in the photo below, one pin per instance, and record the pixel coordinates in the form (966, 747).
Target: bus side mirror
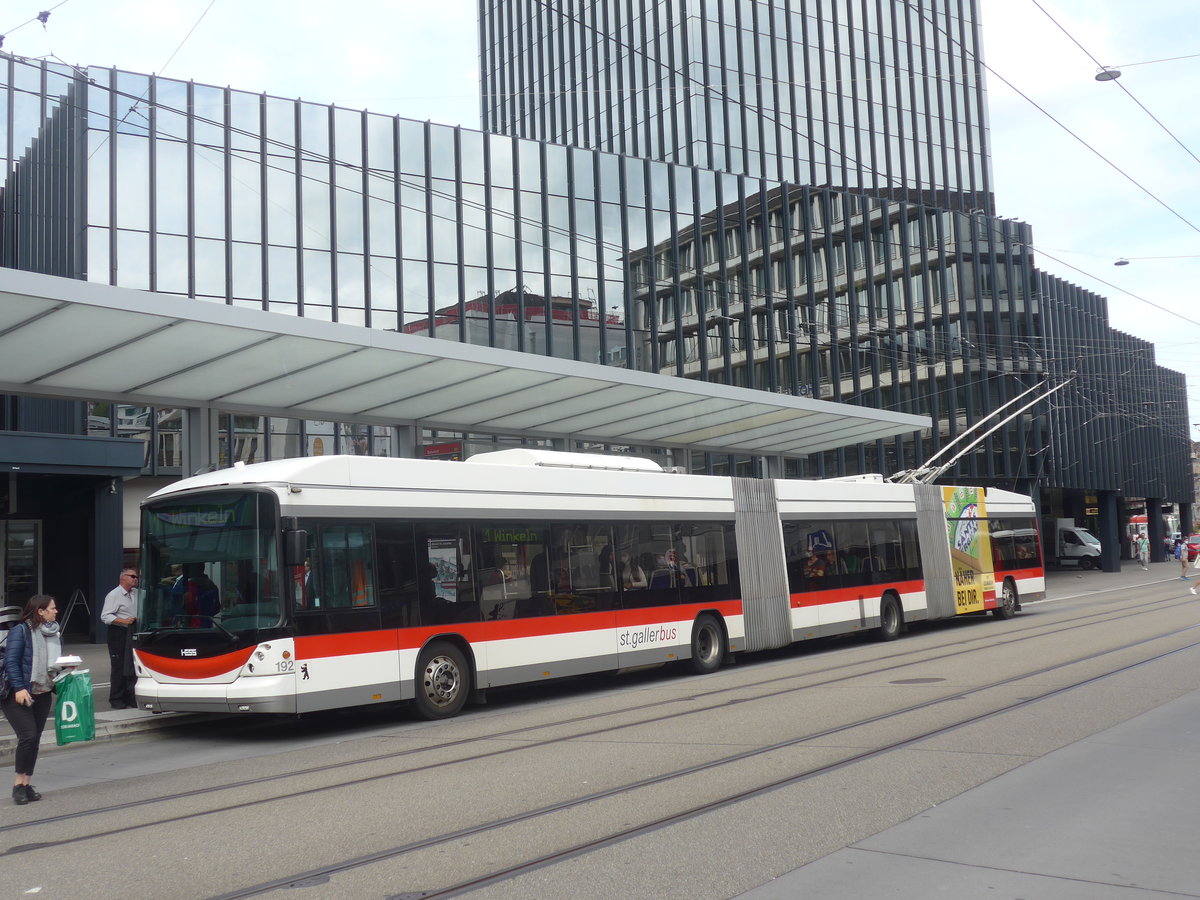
(295, 548)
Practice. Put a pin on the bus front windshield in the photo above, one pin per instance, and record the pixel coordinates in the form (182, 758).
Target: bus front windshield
(210, 563)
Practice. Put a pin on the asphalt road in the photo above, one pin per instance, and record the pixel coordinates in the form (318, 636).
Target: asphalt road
(752, 779)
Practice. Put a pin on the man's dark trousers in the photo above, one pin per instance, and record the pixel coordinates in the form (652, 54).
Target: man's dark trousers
(120, 661)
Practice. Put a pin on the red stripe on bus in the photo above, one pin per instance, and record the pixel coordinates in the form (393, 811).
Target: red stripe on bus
(656, 615)
(1021, 573)
(566, 623)
(195, 668)
(504, 629)
(842, 595)
(317, 646)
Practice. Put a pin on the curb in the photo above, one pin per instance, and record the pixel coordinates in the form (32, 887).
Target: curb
(105, 732)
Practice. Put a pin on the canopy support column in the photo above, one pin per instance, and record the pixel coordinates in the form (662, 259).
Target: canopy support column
(201, 430)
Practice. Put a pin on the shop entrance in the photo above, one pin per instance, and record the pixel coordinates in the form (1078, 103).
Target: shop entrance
(20, 560)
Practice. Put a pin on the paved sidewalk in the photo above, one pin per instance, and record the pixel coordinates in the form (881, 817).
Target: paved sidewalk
(116, 723)
(1109, 817)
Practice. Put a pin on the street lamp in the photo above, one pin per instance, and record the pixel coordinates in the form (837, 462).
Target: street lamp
(1125, 260)
(1112, 73)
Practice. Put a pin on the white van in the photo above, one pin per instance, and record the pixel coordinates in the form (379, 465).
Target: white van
(1076, 546)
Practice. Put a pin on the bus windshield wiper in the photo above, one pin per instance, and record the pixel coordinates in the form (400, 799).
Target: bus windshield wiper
(216, 624)
(177, 624)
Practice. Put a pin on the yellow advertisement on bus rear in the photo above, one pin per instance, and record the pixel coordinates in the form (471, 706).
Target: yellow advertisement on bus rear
(970, 547)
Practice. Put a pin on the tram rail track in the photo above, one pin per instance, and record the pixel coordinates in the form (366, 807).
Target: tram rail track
(576, 803)
(827, 676)
(323, 873)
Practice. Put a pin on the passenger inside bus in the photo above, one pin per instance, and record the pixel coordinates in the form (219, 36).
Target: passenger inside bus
(311, 595)
(195, 598)
(632, 576)
(814, 565)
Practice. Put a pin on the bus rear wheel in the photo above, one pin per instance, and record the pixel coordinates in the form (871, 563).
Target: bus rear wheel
(708, 644)
(1007, 607)
(443, 681)
(891, 618)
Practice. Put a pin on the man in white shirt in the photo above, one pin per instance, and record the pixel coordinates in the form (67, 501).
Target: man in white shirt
(120, 615)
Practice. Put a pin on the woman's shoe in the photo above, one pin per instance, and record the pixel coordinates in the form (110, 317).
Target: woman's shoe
(19, 796)
(31, 793)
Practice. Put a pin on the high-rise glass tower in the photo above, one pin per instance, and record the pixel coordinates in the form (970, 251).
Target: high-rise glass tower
(882, 96)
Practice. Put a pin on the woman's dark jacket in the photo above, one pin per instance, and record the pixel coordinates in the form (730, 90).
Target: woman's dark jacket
(18, 658)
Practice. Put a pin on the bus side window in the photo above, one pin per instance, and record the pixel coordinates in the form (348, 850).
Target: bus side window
(1003, 550)
(347, 567)
(854, 553)
(707, 564)
(912, 550)
(647, 579)
(812, 560)
(588, 567)
(1028, 549)
(398, 582)
(886, 553)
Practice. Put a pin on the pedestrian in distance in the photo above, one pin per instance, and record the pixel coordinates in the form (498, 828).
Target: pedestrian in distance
(1143, 549)
(32, 648)
(120, 615)
(1181, 553)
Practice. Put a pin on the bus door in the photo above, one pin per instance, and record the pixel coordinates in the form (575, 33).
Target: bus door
(341, 651)
(449, 571)
(548, 588)
(651, 569)
(857, 599)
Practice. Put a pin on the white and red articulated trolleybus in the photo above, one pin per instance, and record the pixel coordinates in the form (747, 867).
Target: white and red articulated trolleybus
(324, 582)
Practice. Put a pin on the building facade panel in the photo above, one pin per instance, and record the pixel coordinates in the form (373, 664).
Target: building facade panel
(884, 97)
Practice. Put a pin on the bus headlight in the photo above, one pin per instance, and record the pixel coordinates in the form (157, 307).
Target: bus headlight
(270, 659)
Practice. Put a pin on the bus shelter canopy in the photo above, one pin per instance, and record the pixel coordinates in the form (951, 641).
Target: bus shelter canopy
(72, 339)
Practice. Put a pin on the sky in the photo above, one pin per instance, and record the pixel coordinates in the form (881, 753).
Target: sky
(1053, 126)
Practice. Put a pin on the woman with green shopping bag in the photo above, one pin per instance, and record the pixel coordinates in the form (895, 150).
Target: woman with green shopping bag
(32, 647)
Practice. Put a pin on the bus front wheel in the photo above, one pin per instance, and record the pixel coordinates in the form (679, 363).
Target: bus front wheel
(708, 645)
(891, 619)
(443, 681)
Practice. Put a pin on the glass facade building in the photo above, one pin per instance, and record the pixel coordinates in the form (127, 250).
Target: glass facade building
(317, 211)
(778, 269)
(881, 97)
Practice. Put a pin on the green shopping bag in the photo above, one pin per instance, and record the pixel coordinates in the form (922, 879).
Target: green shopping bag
(75, 712)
